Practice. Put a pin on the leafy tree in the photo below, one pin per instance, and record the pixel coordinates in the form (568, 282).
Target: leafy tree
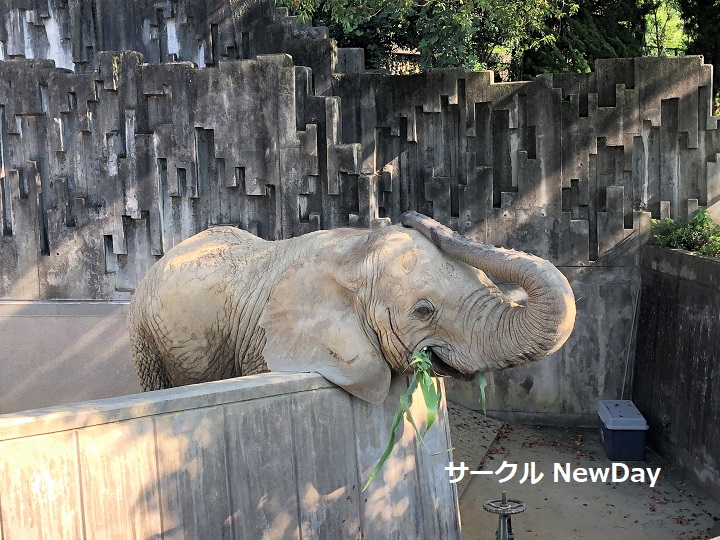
(665, 29)
(446, 33)
(702, 26)
(378, 34)
(511, 30)
(599, 29)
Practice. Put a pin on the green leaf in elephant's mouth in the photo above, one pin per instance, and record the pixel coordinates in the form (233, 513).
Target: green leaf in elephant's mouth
(425, 364)
(423, 368)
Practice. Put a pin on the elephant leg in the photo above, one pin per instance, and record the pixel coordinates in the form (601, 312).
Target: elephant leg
(149, 365)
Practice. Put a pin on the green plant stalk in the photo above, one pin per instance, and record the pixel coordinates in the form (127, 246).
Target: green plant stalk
(432, 395)
(406, 397)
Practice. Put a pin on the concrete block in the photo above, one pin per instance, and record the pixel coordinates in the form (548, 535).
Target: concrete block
(385, 507)
(713, 189)
(677, 349)
(39, 483)
(117, 466)
(324, 430)
(611, 230)
(191, 450)
(351, 60)
(272, 454)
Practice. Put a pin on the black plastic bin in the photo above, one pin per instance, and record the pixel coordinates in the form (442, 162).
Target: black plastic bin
(622, 430)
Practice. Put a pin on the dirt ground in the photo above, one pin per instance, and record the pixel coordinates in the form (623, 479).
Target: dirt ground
(602, 510)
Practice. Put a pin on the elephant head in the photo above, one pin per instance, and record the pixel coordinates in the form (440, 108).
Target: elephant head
(364, 305)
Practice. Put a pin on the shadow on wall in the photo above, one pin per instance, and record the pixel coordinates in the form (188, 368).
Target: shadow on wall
(231, 463)
(57, 352)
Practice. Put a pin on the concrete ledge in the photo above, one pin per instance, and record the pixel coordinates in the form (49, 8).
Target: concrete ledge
(21, 308)
(278, 456)
(196, 396)
(682, 264)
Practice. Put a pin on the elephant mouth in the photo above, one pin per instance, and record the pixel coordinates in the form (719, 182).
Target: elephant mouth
(445, 370)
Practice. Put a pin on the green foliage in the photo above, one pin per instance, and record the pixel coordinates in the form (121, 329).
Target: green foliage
(598, 29)
(510, 30)
(665, 29)
(447, 33)
(432, 395)
(702, 27)
(700, 234)
(377, 32)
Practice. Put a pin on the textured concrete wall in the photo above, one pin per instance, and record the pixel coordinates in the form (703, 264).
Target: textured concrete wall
(62, 352)
(104, 169)
(72, 33)
(268, 456)
(570, 167)
(677, 366)
(564, 388)
(565, 166)
(105, 172)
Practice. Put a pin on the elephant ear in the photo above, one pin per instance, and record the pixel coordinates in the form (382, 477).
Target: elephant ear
(311, 323)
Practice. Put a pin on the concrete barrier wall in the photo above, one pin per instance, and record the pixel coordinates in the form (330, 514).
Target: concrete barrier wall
(53, 353)
(677, 361)
(268, 456)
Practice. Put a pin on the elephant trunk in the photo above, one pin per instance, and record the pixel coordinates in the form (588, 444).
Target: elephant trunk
(525, 333)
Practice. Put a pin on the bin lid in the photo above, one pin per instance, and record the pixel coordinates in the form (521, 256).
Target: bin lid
(621, 414)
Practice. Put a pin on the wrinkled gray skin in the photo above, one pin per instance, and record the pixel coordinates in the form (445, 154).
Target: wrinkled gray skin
(350, 304)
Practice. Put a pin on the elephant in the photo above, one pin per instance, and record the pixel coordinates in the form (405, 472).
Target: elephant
(350, 304)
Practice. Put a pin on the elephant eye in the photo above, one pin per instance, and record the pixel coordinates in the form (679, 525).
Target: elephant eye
(424, 310)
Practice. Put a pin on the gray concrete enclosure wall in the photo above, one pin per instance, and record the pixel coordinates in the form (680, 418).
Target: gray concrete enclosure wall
(62, 352)
(677, 366)
(268, 456)
(107, 167)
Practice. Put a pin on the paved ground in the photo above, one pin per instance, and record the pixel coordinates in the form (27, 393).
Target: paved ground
(671, 510)
(472, 435)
